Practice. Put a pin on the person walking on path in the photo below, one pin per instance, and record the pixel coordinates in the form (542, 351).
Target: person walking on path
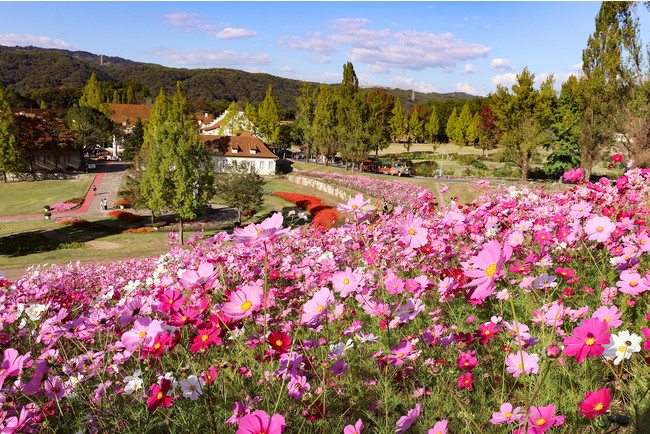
(94, 188)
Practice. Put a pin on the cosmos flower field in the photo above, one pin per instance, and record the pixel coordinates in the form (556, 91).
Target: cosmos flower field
(524, 311)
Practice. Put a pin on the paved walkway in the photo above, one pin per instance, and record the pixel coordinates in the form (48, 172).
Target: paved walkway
(108, 180)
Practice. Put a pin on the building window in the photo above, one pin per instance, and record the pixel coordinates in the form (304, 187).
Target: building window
(46, 159)
(66, 159)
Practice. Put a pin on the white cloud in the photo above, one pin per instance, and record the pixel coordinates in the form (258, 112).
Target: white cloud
(212, 58)
(420, 50)
(12, 39)
(190, 22)
(377, 69)
(505, 80)
(560, 78)
(465, 87)
(410, 83)
(576, 67)
(469, 69)
(323, 58)
(384, 49)
(230, 33)
(502, 64)
(326, 77)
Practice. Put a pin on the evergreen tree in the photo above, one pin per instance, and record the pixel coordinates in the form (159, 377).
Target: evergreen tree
(416, 121)
(133, 141)
(305, 121)
(471, 134)
(92, 96)
(565, 154)
(90, 127)
(179, 175)
(380, 105)
(269, 118)
(398, 121)
(325, 122)
(452, 127)
(433, 126)
(130, 96)
(234, 121)
(11, 160)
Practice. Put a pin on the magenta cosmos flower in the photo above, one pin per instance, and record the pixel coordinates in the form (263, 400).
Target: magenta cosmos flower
(317, 306)
(599, 228)
(255, 233)
(413, 234)
(12, 364)
(345, 282)
(542, 418)
(595, 403)
(354, 205)
(258, 422)
(243, 302)
(587, 340)
(159, 396)
(486, 268)
(439, 427)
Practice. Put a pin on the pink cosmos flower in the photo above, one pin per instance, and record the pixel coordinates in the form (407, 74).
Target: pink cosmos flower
(204, 276)
(255, 233)
(587, 340)
(405, 422)
(207, 334)
(54, 388)
(632, 283)
(515, 239)
(144, 331)
(12, 364)
(646, 334)
(243, 302)
(317, 306)
(355, 205)
(611, 315)
(399, 353)
(345, 282)
(467, 361)
(599, 228)
(507, 414)
(413, 234)
(339, 368)
(595, 403)
(356, 429)
(542, 418)
(486, 269)
(258, 423)
(439, 427)
(465, 381)
(516, 366)
(298, 386)
(617, 158)
(573, 175)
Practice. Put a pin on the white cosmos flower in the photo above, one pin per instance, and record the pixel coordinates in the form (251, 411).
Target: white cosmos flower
(622, 346)
(192, 387)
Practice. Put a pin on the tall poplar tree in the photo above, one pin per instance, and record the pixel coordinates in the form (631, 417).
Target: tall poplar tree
(433, 126)
(307, 102)
(398, 121)
(11, 160)
(92, 96)
(325, 122)
(268, 116)
(179, 176)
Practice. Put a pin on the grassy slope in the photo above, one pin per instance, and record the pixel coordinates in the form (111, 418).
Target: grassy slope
(27, 197)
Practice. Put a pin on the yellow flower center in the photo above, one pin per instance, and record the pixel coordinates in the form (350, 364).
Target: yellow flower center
(205, 338)
(489, 271)
(278, 343)
(246, 305)
(320, 308)
(400, 355)
(354, 207)
(411, 231)
(346, 281)
(157, 345)
(159, 396)
(599, 228)
(622, 348)
(508, 415)
(520, 366)
(598, 406)
(541, 421)
(633, 283)
(192, 387)
(590, 341)
(607, 319)
(142, 334)
(171, 301)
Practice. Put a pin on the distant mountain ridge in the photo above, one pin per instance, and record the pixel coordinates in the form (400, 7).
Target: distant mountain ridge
(25, 69)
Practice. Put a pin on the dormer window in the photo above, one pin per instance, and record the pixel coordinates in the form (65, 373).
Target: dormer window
(235, 150)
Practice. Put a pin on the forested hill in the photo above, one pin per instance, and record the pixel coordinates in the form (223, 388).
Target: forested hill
(26, 69)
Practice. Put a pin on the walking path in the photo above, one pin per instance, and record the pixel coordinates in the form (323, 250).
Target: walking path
(107, 181)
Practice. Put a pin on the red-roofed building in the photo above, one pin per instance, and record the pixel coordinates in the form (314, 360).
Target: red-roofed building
(247, 148)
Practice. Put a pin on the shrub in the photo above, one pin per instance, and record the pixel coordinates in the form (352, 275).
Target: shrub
(467, 160)
(479, 165)
(125, 216)
(324, 215)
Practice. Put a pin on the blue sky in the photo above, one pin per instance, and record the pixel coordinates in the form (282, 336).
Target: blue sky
(425, 46)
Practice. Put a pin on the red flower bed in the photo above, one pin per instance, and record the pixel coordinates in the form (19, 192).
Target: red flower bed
(324, 215)
(124, 202)
(125, 216)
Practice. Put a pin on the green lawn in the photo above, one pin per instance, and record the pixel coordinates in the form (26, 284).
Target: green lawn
(29, 197)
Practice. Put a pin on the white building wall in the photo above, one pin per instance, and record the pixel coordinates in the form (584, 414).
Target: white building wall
(264, 166)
